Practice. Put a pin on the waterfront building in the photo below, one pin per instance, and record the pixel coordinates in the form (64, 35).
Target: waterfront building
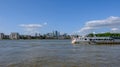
(14, 36)
(6, 37)
(1, 35)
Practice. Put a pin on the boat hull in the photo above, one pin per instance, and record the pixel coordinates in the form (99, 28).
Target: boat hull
(107, 42)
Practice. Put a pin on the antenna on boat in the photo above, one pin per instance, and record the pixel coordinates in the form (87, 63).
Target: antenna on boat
(94, 34)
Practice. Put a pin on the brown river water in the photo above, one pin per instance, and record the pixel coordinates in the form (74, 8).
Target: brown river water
(57, 53)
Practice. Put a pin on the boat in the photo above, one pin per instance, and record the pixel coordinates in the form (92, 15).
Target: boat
(96, 40)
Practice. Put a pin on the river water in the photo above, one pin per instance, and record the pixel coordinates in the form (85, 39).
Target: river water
(57, 53)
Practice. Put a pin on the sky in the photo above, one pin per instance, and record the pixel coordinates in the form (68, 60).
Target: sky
(66, 16)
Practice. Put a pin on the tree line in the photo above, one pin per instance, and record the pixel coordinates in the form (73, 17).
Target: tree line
(107, 34)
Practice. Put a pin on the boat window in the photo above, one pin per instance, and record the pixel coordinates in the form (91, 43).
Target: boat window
(85, 39)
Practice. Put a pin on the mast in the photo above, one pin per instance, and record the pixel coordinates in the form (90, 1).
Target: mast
(94, 34)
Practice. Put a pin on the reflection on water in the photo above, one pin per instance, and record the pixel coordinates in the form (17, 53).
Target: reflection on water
(57, 53)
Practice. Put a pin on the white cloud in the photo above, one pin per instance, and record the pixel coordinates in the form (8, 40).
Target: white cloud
(31, 25)
(32, 28)
(114, 29)
(109, 22)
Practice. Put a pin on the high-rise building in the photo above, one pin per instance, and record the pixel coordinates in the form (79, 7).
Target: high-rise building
(1, 35)
(14, 36)
(56, 33)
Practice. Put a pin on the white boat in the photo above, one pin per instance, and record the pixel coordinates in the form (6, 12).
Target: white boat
(96, 40)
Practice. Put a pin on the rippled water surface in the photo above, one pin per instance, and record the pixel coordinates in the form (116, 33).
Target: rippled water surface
(57, 53)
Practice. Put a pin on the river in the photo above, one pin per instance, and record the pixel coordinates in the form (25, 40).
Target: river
(57, 53)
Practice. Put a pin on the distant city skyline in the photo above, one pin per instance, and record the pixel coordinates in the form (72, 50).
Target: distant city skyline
(68, 16)
(50, 35)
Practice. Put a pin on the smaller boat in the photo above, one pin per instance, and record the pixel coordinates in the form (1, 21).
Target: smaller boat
(81, 40)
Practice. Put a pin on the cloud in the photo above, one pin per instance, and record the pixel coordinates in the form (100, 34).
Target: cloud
(32, 28)
(114, 29)
(31, 25)
(109, 22)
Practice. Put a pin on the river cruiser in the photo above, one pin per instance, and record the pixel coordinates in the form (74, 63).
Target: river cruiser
(96, 40)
